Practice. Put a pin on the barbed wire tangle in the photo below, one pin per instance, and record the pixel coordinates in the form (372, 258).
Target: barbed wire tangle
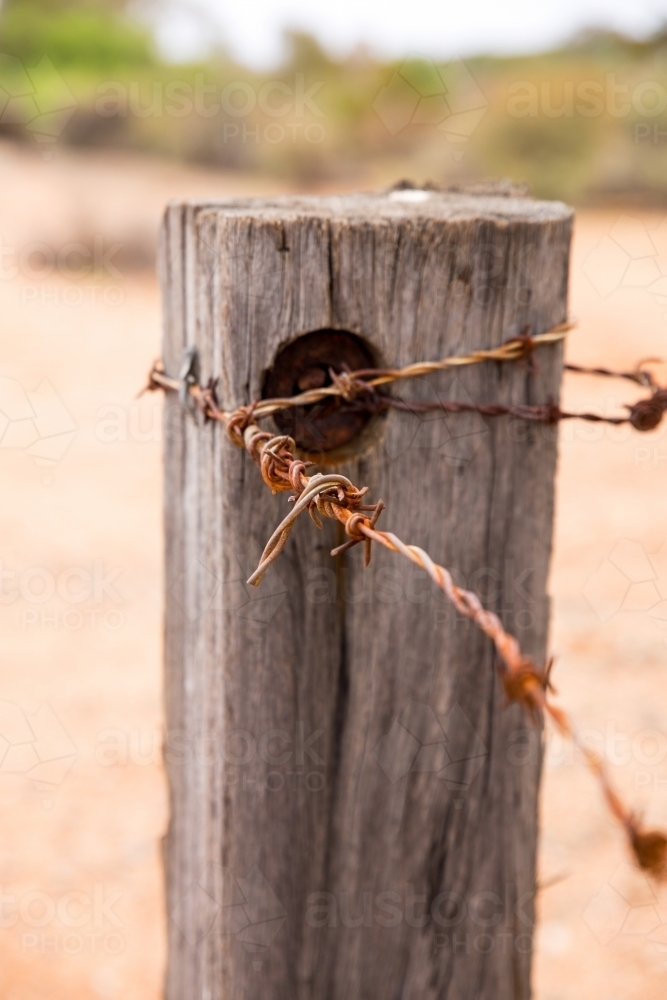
(334, 496)
(360, 389)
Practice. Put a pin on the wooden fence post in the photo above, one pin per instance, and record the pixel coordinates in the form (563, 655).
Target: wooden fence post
(353, 808)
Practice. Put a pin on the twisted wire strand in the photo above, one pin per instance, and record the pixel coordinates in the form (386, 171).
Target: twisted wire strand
(512, 350)
(638, 374)
(359, 388)
(334, 496)
(523, 682)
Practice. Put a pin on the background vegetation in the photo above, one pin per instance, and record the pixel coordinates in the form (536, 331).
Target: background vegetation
(586, 122)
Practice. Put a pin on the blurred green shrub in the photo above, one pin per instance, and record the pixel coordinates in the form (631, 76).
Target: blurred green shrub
(88, 36)
(585, 122)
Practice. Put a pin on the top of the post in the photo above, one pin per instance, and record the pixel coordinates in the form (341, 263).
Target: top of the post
(397, 204)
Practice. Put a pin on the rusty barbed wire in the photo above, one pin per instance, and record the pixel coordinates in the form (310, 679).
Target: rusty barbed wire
(334, 496)
(637, 375)
(348, 384)
(360, 390)
(644, 415)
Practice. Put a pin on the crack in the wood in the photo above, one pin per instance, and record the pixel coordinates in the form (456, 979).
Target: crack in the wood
(343, 673)
(394, 270)
(330, 265)
(338, 725)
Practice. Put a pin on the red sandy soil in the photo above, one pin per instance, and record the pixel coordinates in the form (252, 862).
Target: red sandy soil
(79, 853)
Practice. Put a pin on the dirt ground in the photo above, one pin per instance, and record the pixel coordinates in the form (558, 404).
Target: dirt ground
(81, 786)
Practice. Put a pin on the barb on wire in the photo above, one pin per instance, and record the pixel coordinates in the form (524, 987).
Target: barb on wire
(360, 390)
(349, 384)
(334, 496)
(649, 846)
(639, 375)
(644, 415)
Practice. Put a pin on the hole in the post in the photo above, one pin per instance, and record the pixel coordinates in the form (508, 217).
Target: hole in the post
(329, 426)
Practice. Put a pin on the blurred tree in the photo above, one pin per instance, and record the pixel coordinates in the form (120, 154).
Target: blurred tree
(614, 45)
(94, 35)
(304, 54)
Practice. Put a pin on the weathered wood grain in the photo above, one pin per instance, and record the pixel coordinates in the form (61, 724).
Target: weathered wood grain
(353, 809)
